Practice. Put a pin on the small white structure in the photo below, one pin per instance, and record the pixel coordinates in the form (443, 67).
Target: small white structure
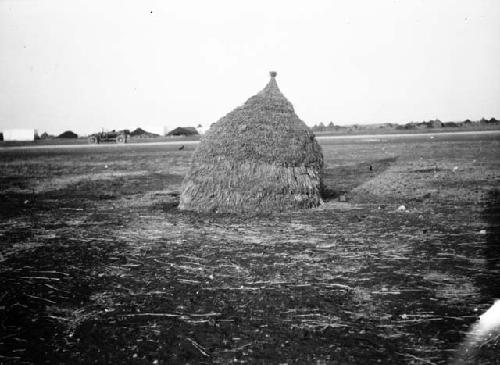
(202, 129)
(19, 134)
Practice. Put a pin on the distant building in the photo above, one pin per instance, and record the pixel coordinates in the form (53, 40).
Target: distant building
(183, 131)
(141, 133)
(155, 129)
(19, 134)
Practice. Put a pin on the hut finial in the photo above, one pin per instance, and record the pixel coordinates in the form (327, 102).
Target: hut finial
(273, 73)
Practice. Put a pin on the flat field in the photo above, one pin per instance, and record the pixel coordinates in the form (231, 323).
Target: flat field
(97, 264)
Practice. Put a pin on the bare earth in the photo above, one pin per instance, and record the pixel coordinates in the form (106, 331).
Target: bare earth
(98, 265)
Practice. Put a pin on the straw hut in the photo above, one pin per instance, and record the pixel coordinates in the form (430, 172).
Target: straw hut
(258, 158)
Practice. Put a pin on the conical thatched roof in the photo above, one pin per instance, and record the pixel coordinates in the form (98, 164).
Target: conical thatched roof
(258, 158)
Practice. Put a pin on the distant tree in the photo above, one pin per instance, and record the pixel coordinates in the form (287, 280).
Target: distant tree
(44, 135)
(331, 125)
(1, 136)
(409, 126)
(321, 126)
(493, 121)
(436, 123)
(68, 134)
(450, 125)
(138, 132)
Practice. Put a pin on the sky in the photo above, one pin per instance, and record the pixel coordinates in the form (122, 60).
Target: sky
(92, 65)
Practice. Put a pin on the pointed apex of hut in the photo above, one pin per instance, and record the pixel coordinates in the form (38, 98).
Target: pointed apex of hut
(272, 89)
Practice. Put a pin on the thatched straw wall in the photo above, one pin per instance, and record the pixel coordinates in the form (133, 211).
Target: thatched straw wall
(258, 158)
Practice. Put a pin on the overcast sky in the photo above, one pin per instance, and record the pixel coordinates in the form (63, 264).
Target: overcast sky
(87, 65)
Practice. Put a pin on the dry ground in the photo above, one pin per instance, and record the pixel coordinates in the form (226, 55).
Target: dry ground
(98, 265)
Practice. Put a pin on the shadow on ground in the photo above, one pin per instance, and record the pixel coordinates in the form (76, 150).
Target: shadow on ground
(339, 181)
